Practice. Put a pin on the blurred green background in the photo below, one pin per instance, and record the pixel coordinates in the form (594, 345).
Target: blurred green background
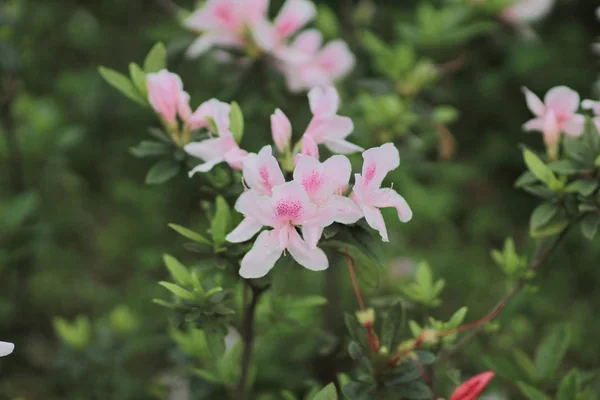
(81, 234)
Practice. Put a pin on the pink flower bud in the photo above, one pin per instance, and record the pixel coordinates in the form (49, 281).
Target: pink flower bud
(281, 129)
(471, 389)
(309, 147)
(166, 95)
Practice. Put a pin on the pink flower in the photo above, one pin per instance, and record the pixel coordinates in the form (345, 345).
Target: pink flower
(216, 150)
(324, 182)
(293, 15)
(471, 389)
(6, 348)
(525, 11)
(367, 194)
(305, 65)
(309, 148)
(326, 127)
(166, 96)
(261, 174)
(281, 129)
(595, 107)
(288, 207)
(224, 23)
(555, 115)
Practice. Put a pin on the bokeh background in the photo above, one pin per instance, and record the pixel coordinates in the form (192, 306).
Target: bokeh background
(82, 235)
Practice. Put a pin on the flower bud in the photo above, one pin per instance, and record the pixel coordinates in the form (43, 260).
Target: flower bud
(310, 147)
(166, 96)
(281, 129)
(429, 336)
(366, 318)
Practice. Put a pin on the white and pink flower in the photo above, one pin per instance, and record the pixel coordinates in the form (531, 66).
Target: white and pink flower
(555, 115)
(6, 348)
(369, 195)
(594, 106)
(167, 97)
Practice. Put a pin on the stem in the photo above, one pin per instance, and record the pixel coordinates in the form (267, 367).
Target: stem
(542, 252)
(373, 340)
(248, 338)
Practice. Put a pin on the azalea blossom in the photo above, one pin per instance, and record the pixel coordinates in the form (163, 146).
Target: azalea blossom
(294, 14)
(471, 389)
(167, 97)
(6, 348)
(307, 65)
(595, 107)
(261, 174)
(224, 23)
(215, 150)
(281, 129)
(556, 114)
(368, 195)
(527, 11)
(325, 183)
(288, 207)
(326, 127)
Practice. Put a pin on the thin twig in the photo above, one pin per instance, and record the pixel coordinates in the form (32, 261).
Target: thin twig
(542, 252)
(248, 339)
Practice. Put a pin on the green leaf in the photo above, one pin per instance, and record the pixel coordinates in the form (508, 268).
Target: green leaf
(357, 332)
(425, 357)
(178, 271)
(355, 351)
(19, 209)
(589, 225)
(219, 225)
(138, 77)
(156, 59)
(122, 84)
(525, 363)
(162, 172)
(458, 317)
(408, 373)
(541, 170)
(178, 290)
(583, 186)
(416, 390)
(552, 227)
(551, 352)
(532, 393)
(503, 367)
(570, 386)
(188, 233)
(526, 178)
(564, 167)
(236, 125)
(393, 324)
(208, 376)
(329, 392)
(148, 148)
(542, 215)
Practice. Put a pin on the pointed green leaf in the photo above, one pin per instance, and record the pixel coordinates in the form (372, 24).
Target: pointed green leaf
(138, 77)
(148, 148)
(541, 170)
(162, 172)
(156, 59)
(525, 363)
(329, 392)
(178, 290)
(236, 125)
(552, 227)
(122, 84)
(188, 233)
(570, 386)
(551, 352)
(583, 186)
(542, 215)
(393, 324)
(532, 393)
(219, 225)
(589, 226)
(178, 271)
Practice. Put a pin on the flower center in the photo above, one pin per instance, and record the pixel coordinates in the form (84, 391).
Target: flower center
(288, 210)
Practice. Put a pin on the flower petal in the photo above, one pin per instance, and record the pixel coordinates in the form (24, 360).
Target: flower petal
(324, 101)
(235, 158)
(336, 59)
(471, 389)
(165, 94)
(342, 146)
(378, 162)
(591, 105)
(6, 348)
(251, 204)
(293, 15)
(291, 204)
(281, 130)
(562, 100)
(574, 125)
(534, 103)
(262, 257)
(262, 172)
(375, 220)
(204, 167)
(337, 171)
(324, 128)
(346, 210)
(309, 147)
(211, 150)
(313, 259)
(244, 231)
(390, 198)
(311, 235)
(536, 124)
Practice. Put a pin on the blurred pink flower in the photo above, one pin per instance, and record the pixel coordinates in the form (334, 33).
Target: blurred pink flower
(166, 96)
(326, 127)
(324, 182)
(6, 348)
(595, 107)
(368, 195)
(556, 114)
(527, 11)
(215, 150)
(471, 389)
(288, 207)
(281, 129)
(224, 23)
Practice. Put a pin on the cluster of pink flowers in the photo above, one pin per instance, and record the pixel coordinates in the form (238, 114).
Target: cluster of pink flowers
(316, 196)
(558, 114)
(244, 24)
